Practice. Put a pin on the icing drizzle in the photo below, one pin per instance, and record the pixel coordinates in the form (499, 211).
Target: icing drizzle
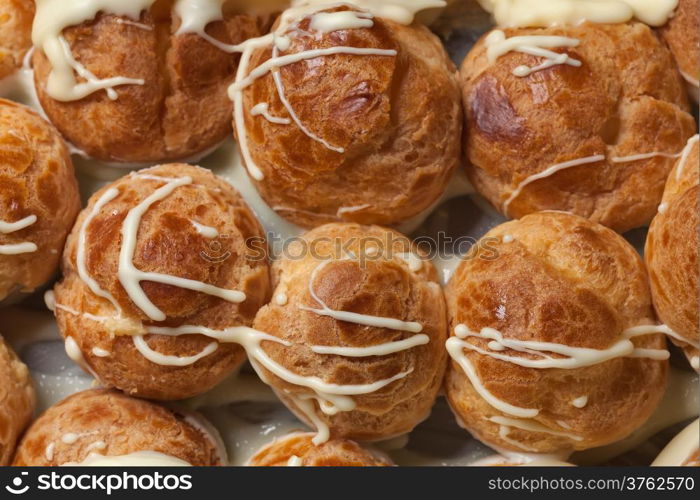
(12, 227)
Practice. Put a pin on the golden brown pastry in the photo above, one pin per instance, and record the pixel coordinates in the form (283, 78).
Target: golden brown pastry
(365, 326)
(181, 109)
(96, 423)
(368, 137)
(38, 199)
(671, 254)
(548, 352)
(298, 450)
(17, 401)
(682, 34)
(15, 34)
(593, 134)
(157, 262)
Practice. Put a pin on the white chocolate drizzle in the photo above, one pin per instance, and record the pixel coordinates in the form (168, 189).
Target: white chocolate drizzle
(137, 459)
(580, 402)
(130, 277)
(12, 227)
(73, 437)
(666, 330)
(573, 357)
(332, 398)
(100, 353)
(378, 350)
(52, 17)
(497, 45)
(685, 154)
(695, 362)
(166, 360)
(350, 210)
(81, 259)
(206, 231)
(280, 40)
(542, 13)
(49, 451)
(547, 173)
(415, 263)
(351, 317)
(263, 109)
(532, 426)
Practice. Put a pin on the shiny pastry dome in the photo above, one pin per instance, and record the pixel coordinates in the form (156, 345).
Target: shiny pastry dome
(155, 261)
(554, 344)
(298, 450)
(15, 34)
(671, 255)
(140, 82)
(359, 122)
(17, 401)
(100, 425)
(682, 34)
(357, 325)
(38, 199)
(591, 125)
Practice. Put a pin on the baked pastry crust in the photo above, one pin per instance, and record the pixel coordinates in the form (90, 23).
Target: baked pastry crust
(682, 34)
(398, 120)
(15, 34)
(167, 243)
(123, 425)
(17, 401)
(382, 286)
(297, 449)
(671, 253)
(36, 179)
(557, 278)
(626, 99)
(181, 111)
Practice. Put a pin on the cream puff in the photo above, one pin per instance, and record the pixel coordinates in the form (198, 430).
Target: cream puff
(106, 427)
(39, 199)
(155, 262)
(17, 401)
(359, 121)
(355, 333)
(585, 118)
(554, 346)
(683, 450)
(682, 34)
(671, 255)
(15, 34)
(140, 82)
(298, 450)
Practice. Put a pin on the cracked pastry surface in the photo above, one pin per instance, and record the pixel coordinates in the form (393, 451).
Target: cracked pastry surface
(671, 254)
(681, 33)
(382, 131)
(298, 450)
(312, 295)
(108, 423)
(15, 34)
(625, 99)
(171, 240)
(38, 199)
(547, 352)
(180, 111)
(17, 401)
